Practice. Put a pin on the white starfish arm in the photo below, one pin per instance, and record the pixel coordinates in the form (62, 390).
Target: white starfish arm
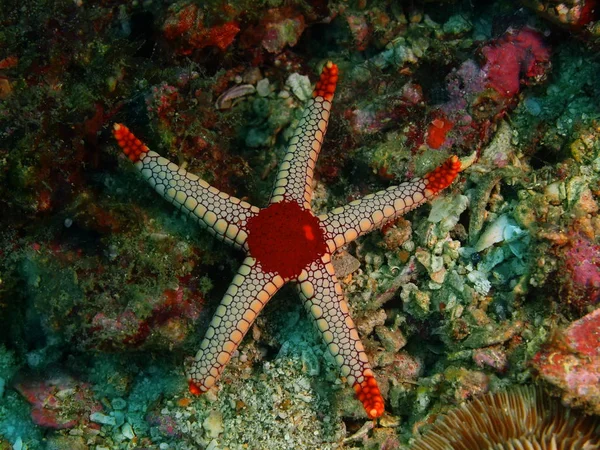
(294, 179)
(362, 216)
(323, 298)
(223, 215)
(246, 296)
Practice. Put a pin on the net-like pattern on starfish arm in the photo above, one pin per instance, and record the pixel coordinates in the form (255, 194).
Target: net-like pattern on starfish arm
(294, 179)
(372, 211)
(246, 296)
(323, 298)
(223, 215)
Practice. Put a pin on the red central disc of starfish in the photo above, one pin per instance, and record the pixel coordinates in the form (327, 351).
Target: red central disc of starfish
(285, 238)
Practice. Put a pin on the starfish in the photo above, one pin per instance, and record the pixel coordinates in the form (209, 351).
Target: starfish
(286, 242)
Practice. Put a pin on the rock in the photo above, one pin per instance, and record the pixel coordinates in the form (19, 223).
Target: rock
(213, 424)
(58, 401)
(118, 403)
(127, 431)
(494, 357)
(282, 27)
(571, 362)
(98, 417)
(300, 86)
(392, 339)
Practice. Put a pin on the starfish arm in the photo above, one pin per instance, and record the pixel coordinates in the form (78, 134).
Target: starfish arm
(362, 216)
(323, 298)
(223, 215)
(246, 296)
(294, 179)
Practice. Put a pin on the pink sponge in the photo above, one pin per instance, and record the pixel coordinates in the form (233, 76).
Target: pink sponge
(518, 56)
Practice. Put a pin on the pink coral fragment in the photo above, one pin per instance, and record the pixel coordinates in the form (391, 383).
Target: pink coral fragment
(583, 336)
(580, 278)
(572, 362)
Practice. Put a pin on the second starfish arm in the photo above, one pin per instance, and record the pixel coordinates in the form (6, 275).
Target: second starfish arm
(323, 298)
(294, 179)
(223, 215)
(362, 216)
(246, 296)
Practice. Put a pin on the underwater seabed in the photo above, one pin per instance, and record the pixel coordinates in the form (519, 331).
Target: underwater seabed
(472, 309)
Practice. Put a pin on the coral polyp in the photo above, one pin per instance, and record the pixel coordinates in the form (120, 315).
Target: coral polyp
(522, 418)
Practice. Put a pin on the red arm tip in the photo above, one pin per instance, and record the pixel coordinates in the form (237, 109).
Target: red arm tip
(193, 388)
(443, 176)
(132, 146)
(368, 394)
(326, 85)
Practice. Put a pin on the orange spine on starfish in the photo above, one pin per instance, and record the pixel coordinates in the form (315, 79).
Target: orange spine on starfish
(132, 146)
(326, 85)
(443, 176)
(368, 394)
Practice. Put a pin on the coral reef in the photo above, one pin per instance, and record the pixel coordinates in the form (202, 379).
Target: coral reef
(104, 291)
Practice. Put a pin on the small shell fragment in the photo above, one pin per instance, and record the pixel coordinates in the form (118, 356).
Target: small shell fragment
(227, 99)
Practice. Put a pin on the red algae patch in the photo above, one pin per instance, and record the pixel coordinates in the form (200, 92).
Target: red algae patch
(285, 238)
(437, 132)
